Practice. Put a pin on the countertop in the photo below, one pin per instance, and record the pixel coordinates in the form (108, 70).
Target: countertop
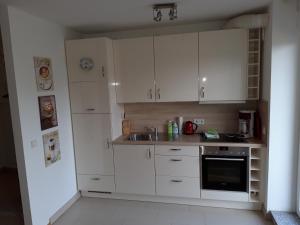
(188, 140)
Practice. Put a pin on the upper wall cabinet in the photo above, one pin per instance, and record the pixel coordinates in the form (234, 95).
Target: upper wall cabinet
(85, 54)
(134, 67)
(176, 67)
(223, 65)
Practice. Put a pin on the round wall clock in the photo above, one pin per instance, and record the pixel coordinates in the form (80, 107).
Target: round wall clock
(86, 64)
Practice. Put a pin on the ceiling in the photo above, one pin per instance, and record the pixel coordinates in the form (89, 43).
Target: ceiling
(94, 16)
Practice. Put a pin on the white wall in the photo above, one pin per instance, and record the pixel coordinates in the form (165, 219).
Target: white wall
(284, 107)
(44, 190)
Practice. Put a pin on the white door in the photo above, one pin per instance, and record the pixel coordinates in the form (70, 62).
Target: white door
(176, 67)
(89, 97)
(94, 49)
(94, 154)
(134, 67)
(223, 65)
(134, 169)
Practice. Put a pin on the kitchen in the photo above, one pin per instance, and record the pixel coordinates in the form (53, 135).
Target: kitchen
(152, 117)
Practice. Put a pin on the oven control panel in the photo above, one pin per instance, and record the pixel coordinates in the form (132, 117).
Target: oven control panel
(224, 151)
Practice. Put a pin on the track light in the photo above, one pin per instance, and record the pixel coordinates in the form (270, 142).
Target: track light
(157, 11)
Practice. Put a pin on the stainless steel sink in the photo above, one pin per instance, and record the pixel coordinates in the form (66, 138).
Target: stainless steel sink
(141, 137)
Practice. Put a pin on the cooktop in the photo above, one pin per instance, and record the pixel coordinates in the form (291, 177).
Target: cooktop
(230, 138)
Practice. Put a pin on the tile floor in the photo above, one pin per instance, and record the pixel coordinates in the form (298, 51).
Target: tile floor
(95, 211)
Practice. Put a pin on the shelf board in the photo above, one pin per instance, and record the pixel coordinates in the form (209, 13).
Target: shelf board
(254, 157)
(255, 168)
(254, 39)
(252, 87)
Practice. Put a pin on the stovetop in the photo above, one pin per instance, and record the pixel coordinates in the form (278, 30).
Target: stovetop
(230, 138)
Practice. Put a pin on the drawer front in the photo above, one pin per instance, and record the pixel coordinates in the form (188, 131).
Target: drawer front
(177, 150)
(178, 186)
(96, 183)
(185, 166)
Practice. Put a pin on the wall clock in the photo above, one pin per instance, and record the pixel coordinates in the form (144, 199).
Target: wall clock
(86, 64)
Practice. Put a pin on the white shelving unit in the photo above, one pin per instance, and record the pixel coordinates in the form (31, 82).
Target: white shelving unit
(255, 174)
(254, 61)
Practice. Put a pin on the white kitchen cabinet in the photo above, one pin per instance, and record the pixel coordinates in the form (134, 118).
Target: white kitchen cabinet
(176, 67)
(96, 182)
(94, 154)
(223, 65)
(178, 186)
(86, 48)
(134, 169)
(134, 66)
(89, 97)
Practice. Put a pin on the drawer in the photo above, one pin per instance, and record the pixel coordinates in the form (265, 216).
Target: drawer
(177, 150)
(185, 166)
(178, 186)
(96, 183)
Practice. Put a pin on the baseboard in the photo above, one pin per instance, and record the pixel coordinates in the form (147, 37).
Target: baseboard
(64, 208)
(180, 201)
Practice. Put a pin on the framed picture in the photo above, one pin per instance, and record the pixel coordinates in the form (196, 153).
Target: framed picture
(43, 74)
(48, 115)
(51, 148)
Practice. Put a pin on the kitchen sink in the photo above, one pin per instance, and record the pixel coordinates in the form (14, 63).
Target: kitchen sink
(141, 137)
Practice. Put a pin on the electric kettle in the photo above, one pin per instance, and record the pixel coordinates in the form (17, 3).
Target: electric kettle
(189, 127)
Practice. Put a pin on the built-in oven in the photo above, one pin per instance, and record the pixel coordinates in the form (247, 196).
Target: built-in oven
(225, 168)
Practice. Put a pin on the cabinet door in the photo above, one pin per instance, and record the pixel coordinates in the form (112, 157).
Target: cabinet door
(222, 65)
(134, 63)
(176, 67)
(134, 169)
(89, 97)
(94, 155)
(94, 49)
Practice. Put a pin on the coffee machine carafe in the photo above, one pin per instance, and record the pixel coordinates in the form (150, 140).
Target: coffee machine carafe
(246, 123)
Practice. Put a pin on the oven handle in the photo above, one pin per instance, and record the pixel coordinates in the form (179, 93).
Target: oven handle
(224, 159)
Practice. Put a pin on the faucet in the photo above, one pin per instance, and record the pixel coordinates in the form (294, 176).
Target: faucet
(154, 130)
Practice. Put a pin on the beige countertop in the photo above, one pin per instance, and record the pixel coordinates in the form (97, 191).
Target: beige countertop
(188, 140)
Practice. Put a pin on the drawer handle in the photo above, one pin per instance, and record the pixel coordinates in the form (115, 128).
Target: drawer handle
(175, 149)
(95, 178)
(176, 181)
(176, 160)
(90, 109)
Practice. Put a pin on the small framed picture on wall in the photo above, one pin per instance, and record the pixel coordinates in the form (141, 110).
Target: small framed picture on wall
(48, 115)
(43, 74)
(51, 148)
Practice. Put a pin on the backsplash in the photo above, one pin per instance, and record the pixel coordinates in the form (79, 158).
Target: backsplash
(223, 117)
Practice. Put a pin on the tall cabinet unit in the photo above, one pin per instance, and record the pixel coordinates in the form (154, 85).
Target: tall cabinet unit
(95, 114)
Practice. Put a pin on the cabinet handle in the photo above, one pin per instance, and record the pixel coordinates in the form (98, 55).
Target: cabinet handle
(149, 154)
(176, 160)
(176, 181)
(102, 71)
(150, 93)
(95, 178)
(108, 143)
(202, 92)
(202, 150)
(90, 109)
(175, 149)
(158, 93)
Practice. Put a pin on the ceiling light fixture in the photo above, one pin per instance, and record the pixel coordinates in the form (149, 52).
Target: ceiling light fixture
(157, 11)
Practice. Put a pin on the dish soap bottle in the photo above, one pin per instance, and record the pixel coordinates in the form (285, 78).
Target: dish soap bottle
(170, 128)
(175, 128)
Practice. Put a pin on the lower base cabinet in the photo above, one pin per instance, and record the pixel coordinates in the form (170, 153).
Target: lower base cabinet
(134, 169)
(97, 183)
(178, 186)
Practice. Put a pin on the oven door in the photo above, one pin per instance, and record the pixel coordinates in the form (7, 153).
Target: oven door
(227, 173)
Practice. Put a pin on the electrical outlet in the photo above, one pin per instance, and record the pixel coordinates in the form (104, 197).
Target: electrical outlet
(199, 121)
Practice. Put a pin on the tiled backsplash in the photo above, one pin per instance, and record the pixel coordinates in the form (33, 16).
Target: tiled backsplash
(223, 117)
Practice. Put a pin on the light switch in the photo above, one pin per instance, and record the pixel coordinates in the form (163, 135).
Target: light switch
(33, 143)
